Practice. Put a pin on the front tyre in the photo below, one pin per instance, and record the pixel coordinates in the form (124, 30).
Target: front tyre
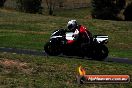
(100, 53)
(52, 49)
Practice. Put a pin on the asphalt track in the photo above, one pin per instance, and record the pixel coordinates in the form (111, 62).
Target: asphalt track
(42, 53)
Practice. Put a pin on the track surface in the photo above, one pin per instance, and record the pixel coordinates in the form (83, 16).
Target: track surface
(42, 53)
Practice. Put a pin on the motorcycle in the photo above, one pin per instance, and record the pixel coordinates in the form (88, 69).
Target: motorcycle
(95, 48)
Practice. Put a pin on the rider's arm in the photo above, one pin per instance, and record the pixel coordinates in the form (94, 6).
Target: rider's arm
(76, 34)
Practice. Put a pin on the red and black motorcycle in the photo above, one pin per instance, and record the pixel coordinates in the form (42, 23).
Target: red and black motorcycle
(95, 48)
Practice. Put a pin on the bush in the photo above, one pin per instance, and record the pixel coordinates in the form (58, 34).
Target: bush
(29, 6)
(2, 3)
(128, 12)
(107, 9)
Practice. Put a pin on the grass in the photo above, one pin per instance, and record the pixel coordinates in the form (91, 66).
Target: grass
(23, 71)
(22, 40)
(74, 13)
(32, 31)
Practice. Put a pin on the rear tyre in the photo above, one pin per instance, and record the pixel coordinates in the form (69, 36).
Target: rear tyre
(100, 53)
(52, 49)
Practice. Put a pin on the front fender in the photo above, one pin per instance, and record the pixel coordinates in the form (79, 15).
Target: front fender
(104, 42)
(102, 39)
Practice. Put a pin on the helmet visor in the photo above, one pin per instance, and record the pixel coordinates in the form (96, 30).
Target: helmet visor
(70, 26)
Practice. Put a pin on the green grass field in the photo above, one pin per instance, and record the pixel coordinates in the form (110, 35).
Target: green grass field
(81, 13)
(32, 31)
(23, 71)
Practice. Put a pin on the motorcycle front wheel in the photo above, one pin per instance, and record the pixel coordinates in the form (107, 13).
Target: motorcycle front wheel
(100, 53)
(52, 49)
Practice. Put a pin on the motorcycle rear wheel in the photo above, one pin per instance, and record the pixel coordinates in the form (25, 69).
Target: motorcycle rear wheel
(52, 49)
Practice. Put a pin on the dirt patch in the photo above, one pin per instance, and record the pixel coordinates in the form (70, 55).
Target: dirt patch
(88, 17)
(9, 65)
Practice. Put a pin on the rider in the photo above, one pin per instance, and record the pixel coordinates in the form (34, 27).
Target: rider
(80, 33)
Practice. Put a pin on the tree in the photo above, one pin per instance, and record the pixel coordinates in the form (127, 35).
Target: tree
(2, 3)
(107, 9)
(29, 6)
(61, 3)
(128, 12)
(52, 4)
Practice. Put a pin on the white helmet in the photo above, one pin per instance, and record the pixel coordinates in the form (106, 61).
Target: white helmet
(72, 24)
